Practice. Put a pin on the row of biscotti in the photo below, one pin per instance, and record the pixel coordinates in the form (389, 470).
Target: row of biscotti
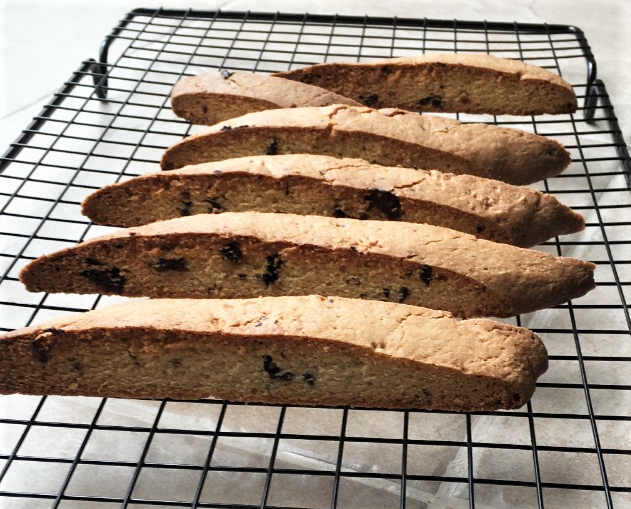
(281, 253)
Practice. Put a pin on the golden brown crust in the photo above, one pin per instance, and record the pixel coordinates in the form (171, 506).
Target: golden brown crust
(212, 97)
(322, 185)
(468, 83)
(387, 137)
(306, 350)
(250, 253)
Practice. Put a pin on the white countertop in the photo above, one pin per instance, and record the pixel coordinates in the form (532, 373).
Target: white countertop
(43, 42)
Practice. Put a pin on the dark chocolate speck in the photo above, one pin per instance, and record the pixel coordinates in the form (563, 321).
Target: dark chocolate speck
(174, 264)
(385, 202)
(274, 372)
(231, 252)
(109, 280)
(274, 264)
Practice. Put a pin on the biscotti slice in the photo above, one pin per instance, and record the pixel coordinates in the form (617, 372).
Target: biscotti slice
(248, 254)
(385, 137)
(468, 83)
(292, 350)
(212, 97)
(327, 186)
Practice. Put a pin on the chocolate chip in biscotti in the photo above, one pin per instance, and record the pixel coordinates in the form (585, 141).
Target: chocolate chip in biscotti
(232, 252)
(274, 372)
(426, 274)
(274, 264)
(338, 212)
(385, 202)
(433, 100)
(110, 280)
(404, 293)
(214, 205)
(309, 379)
(187, 204)
(230, 128)
(272, 148)
(370, 100)
(170, 264)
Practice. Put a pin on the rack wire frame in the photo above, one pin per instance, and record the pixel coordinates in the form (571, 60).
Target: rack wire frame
(111, 121)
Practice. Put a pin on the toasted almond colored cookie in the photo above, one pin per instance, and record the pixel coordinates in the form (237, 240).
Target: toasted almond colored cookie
(467, 83)
(212, 97)
(249, 254)
(291, 350)
(385, 137)
(327, 186)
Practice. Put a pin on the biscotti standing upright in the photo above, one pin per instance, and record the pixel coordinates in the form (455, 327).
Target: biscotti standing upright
(467, 83)
(248, 254)
(385, 137)
(290, 350)
(212, 97)
(327, 186)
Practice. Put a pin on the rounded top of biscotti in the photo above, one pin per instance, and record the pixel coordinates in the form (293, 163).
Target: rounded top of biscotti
(279, 92)
(397, 331)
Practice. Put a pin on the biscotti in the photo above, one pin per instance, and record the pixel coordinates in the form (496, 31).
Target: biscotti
(248, 254)
(212, 97)
(468, 83)
(289, 350)
(327, 186)
(385, 137)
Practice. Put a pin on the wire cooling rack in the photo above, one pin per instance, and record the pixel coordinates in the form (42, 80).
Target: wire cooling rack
(571, 446)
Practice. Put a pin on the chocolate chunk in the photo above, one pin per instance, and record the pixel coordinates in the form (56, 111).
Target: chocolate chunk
(204, 109)
(226, 74)
(92, 261)
(175, 264)
(76, 365)
(274, 264)
(386, 293)
(185, 198)
(370, 100)
(309, 379)
(272, 148)
(274, 372)
(214, 205)
(480, 229)
(109, 280)
(385, 202)
(243, 277)
(434, 100)
(426, 274)
(41, 349)
(176, 363)
(404, 293)
(226, 128)
(231, 252)
(338, 212)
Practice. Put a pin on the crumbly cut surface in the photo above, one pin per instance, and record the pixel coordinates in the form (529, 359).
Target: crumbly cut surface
(247, 254)
(385, 137)
(302, 350)
(468, 83)
(212, 97)
(322, 185)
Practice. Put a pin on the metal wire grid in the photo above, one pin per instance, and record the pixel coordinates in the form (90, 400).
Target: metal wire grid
(570, 446)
